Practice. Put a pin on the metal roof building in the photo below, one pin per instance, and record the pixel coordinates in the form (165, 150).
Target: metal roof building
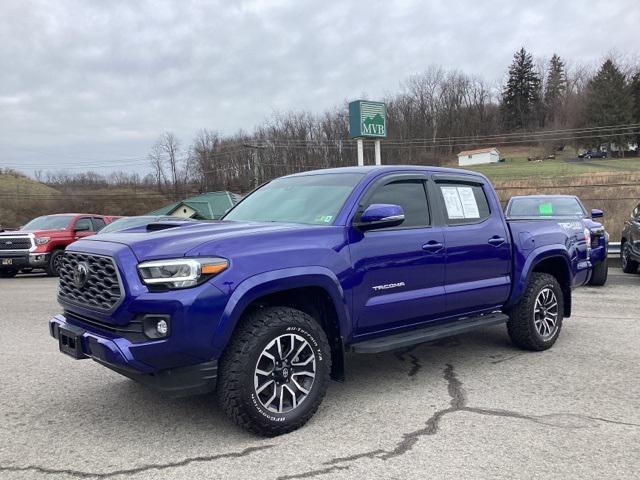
(206, 206)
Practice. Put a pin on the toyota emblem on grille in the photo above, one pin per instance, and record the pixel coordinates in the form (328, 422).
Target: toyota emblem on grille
(80, 274)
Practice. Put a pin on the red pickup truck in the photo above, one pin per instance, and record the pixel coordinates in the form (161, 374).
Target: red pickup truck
(39, 244)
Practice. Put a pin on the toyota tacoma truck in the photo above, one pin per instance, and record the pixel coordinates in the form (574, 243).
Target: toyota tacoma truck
(263, 305)
(40, 243)
(568, 208)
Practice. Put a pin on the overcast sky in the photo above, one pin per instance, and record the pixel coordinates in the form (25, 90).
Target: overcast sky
(94, 82)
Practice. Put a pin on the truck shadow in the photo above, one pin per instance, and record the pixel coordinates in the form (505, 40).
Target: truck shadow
(410, 371)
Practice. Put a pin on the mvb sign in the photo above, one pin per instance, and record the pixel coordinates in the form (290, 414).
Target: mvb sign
(367, 119)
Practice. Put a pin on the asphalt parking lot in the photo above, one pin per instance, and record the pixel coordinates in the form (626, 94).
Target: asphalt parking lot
(467, 407)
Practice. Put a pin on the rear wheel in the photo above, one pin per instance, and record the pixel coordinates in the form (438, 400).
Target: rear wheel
(600, 273)
(8, 273)
(628, 264)
(535, 323)
(53, 267)
(274, 373)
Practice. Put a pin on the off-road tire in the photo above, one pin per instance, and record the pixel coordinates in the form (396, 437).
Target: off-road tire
(8, 273)
(235, 388)
(53, 264)
(628, 264)
(600, 273)
(520, 325)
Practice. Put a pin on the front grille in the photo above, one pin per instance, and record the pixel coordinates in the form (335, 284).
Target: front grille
(15, 243)
(99, 289)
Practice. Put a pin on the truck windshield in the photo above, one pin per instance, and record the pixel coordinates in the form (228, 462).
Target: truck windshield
(541, 207)
(307, 199)
(49, 222)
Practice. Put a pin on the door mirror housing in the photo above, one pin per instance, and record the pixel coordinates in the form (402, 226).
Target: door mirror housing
(597, 213)
(381, 215)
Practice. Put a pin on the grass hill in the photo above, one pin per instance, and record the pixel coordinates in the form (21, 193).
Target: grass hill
(516, 165)
(612, 184)
(13, 183)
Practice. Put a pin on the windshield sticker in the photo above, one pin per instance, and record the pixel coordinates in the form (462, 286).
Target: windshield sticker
(460, 202)
(323, 219)
(545, 209)
(452, 202)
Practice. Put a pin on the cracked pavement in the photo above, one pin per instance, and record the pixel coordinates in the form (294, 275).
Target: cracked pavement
(466, 407)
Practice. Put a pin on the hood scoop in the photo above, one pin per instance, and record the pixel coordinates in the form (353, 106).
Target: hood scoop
(157, 226)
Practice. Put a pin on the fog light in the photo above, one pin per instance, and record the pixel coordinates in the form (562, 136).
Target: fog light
(162, 327)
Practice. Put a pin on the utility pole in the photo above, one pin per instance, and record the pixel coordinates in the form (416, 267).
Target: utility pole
(256, 165)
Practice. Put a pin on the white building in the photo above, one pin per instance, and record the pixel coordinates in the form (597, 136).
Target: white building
(476, 157)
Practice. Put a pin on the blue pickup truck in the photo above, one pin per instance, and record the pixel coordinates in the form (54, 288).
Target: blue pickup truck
(262, 305)
(568, 208)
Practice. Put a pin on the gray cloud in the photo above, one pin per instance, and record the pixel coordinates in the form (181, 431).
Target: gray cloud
(87, 81)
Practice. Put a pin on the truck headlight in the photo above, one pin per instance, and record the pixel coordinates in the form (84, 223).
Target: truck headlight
(181, 272)
(41, 240)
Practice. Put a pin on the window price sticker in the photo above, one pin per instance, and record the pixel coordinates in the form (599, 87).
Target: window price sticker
(460, 202)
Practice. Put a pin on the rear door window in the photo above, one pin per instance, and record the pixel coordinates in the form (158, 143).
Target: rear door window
(98, 224)
(464, 203)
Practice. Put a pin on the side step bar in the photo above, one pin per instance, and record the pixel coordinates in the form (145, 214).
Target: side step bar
(435, 332)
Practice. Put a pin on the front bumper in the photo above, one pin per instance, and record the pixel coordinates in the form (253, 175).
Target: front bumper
(23, 260)
(118, 354)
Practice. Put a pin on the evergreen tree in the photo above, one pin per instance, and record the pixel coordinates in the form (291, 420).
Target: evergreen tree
(609, 102)
(555, 90)
(521, 94)
(634, 88)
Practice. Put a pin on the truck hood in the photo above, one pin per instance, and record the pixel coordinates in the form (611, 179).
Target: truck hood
(178, 240)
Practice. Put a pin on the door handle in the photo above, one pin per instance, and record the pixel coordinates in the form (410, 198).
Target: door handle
(496, 241)
(432, 246)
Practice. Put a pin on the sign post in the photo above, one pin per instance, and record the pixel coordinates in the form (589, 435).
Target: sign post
(367, 120)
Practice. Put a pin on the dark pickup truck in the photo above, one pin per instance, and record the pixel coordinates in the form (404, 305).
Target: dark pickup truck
(263, 305)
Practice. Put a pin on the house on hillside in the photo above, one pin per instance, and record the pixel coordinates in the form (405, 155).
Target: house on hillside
(206, 206)
(479, 156)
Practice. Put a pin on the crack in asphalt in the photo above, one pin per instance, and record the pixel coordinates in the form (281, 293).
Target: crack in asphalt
(458, 403)
(142, 468)
(313, 473)
(415, 361)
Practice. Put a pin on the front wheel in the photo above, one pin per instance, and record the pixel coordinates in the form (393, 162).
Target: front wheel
(535, 323)
(628, 264)
(275, 371)
(55, 261)
(600, 273)
(8, 273)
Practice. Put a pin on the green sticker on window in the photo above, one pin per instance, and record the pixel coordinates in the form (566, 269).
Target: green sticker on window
(545, 209)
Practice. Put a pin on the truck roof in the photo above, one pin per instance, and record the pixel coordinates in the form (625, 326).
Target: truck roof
(371, 169)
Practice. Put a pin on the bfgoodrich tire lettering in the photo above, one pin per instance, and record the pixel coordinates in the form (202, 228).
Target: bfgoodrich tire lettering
(248, 377)
(535, 323)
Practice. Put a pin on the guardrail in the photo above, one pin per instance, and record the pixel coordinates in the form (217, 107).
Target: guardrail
(614, 249)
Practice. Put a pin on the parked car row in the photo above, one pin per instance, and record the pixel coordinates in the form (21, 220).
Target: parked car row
(40, 244)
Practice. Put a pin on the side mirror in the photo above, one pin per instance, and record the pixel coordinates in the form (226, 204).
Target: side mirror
(597, 213)
(82, 229)
(380, 215)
